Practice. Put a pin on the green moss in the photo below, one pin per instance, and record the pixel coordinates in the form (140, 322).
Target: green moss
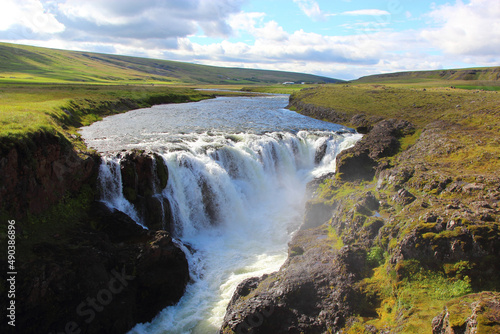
(57, 224)
(429, 235)
(375, 257)
(449, 234)
(161, 171)
(296, 251)
(457, 268)
(337, 241)
(408, 141)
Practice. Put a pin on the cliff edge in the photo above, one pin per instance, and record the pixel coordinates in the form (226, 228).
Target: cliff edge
(404, 238)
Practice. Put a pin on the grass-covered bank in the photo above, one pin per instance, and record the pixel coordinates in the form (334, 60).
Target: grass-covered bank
(474, 115)
(61, 108)
(432, 242)
(66, 245)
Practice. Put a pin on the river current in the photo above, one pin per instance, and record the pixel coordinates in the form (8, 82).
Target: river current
(252, 158)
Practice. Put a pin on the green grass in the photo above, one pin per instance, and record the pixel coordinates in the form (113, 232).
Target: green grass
(474, 114)
(21, 63)
(278, 89)
(420, 106)
(488, 74)
(407, 304)
(29, 109)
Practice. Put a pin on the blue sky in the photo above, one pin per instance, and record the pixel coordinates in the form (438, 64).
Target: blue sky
(343, 39)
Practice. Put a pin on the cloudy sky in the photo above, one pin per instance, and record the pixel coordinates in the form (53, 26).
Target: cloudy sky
(342, 39)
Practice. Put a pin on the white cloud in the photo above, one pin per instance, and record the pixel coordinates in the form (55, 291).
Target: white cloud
(245, 21)
(471, 28)
(369, 12)
(168, 29)
(29, 16)
(116, 21)
(311, 9)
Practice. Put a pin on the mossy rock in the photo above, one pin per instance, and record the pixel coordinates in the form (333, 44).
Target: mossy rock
(161, 171)
(130, 194)
(478, 313)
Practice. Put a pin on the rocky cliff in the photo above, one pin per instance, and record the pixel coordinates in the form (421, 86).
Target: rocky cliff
(36, 173)
(387, 244)
(82, 267)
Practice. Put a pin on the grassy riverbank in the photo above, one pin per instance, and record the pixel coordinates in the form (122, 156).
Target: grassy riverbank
(61, 108)
(438, 194)
(474, 114)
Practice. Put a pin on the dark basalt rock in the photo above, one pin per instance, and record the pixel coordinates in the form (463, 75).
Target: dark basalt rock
(316, 214)
(110, 282)
(311, 293)
(116, 224)
(144, 176)
(320, 152)
(37, 174)
(101, 273)
(404, 197)
(360, 162)
(355, 164)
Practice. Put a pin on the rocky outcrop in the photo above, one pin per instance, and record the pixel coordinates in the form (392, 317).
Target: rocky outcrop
(315, 291)
(37, 172)
(144, 176)
(106, 284)
(85, 268)
(360, 161)
(433, 222)
(311, 293)
(476, 313)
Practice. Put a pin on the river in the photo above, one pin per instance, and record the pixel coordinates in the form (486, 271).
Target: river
(238, 169)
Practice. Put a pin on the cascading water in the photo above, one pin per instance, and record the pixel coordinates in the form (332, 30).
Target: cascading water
(111, 189)
(236, 197)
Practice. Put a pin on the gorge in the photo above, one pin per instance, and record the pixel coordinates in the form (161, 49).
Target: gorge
(235, 173)
(165, 202)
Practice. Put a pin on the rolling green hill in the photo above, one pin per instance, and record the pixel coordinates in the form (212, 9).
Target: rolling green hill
(485, 75)
(21, 63)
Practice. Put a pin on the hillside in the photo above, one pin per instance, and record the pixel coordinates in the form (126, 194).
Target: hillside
(20, 63)
(485, 77)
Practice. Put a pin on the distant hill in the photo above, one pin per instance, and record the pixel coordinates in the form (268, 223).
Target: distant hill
(469, 74)
(21, 63)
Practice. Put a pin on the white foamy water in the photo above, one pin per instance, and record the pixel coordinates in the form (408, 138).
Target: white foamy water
(237, 196)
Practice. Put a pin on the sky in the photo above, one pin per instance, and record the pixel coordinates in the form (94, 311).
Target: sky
(343, 39)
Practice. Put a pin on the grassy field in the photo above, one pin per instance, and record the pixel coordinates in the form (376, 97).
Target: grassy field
(485, 76)
(28, 64)
(418, 105)
(51, 90)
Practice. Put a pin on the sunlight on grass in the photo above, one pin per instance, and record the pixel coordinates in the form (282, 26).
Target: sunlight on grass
(30, 108)
(410, 304)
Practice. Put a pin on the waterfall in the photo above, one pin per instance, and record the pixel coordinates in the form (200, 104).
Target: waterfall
(110, 180)
(235, 201)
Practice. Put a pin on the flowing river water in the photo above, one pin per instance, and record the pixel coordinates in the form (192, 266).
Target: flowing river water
(251, 158)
